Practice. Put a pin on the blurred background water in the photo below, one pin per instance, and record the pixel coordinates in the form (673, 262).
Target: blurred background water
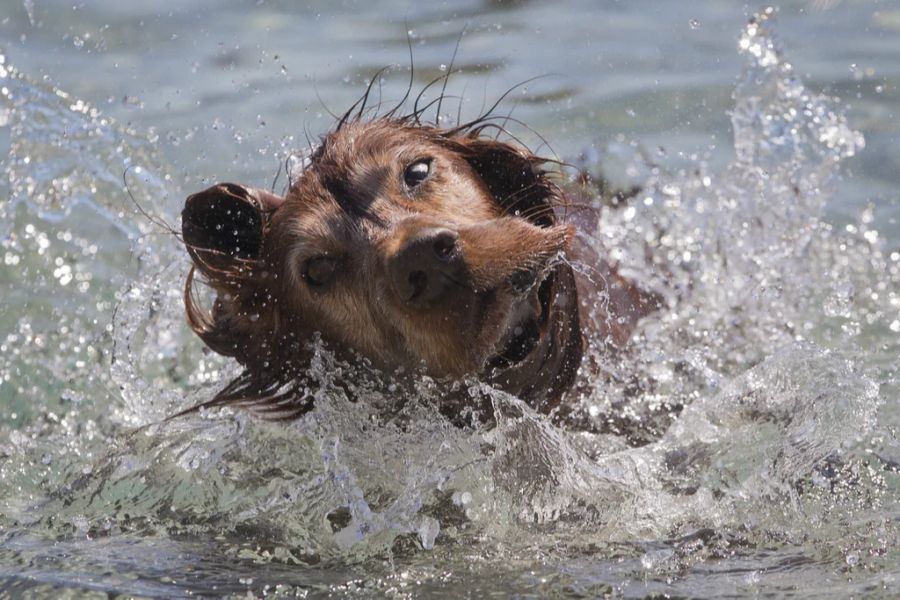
(223, 83)
(781, 476)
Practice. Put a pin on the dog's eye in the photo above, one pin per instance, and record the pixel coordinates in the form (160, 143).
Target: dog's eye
(319, 270)
(416, 173)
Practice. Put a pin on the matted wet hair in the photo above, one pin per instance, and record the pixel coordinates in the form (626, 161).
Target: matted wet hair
(239, 273)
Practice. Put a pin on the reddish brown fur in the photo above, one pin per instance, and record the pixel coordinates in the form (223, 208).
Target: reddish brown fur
(502, 304)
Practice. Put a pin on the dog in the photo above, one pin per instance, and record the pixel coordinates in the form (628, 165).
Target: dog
(421, 249)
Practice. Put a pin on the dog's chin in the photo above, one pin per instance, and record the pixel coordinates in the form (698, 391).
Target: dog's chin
(503, 325)
(496, 329)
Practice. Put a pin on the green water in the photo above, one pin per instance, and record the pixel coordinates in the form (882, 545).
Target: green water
(771, 215)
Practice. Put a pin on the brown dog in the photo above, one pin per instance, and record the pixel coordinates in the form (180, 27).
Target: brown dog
(416, 247)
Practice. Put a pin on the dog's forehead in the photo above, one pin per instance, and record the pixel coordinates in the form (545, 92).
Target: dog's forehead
(353, 180)
(360, 142)
(361, 157)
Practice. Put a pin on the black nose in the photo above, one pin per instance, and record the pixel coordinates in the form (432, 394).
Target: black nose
(426, 265)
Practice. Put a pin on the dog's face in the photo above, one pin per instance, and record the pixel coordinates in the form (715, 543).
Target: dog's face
(414, 246)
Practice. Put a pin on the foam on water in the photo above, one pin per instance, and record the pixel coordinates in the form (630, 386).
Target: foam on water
(758, 425)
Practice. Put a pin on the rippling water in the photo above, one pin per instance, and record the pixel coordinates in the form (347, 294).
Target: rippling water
(762, 460)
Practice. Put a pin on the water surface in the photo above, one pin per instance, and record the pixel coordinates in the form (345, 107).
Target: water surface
(761, 460)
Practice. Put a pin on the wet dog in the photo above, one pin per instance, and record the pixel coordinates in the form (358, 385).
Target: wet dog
(422, 249)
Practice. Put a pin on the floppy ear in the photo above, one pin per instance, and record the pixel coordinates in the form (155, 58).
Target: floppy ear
(514, 178)
(224, 228)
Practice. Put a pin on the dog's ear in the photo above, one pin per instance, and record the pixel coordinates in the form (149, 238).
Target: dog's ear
(224, 230)
(224, 226)
(514, 177)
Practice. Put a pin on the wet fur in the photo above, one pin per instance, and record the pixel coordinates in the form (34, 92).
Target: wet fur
(510, 315)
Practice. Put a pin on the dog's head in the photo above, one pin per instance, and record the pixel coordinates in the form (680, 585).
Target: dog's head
(414, 246)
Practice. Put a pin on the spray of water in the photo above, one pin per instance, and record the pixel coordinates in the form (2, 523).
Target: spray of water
(756, 422)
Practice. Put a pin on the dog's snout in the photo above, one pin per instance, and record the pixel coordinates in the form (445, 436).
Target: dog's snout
(426, 265)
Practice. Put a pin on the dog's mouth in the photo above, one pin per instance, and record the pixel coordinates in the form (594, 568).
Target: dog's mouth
(488, 308)
(522, 337)
(514, 255)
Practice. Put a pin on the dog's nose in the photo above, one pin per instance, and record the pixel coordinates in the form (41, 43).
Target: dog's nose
(426, 265)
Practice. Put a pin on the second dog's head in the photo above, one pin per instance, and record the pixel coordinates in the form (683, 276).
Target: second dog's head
(414, 246)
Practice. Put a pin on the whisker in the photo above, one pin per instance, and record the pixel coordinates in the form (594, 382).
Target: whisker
(154, 219)
(416, 112)
(499, 100)
(519, 122)
(322, 102)
(437, 117)
(459, 108)
(361, 103)
(365, 98)
(403, 100)
(277, 175)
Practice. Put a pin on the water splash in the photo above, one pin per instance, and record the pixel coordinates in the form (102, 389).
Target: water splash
(754, 428)
(743, 257)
